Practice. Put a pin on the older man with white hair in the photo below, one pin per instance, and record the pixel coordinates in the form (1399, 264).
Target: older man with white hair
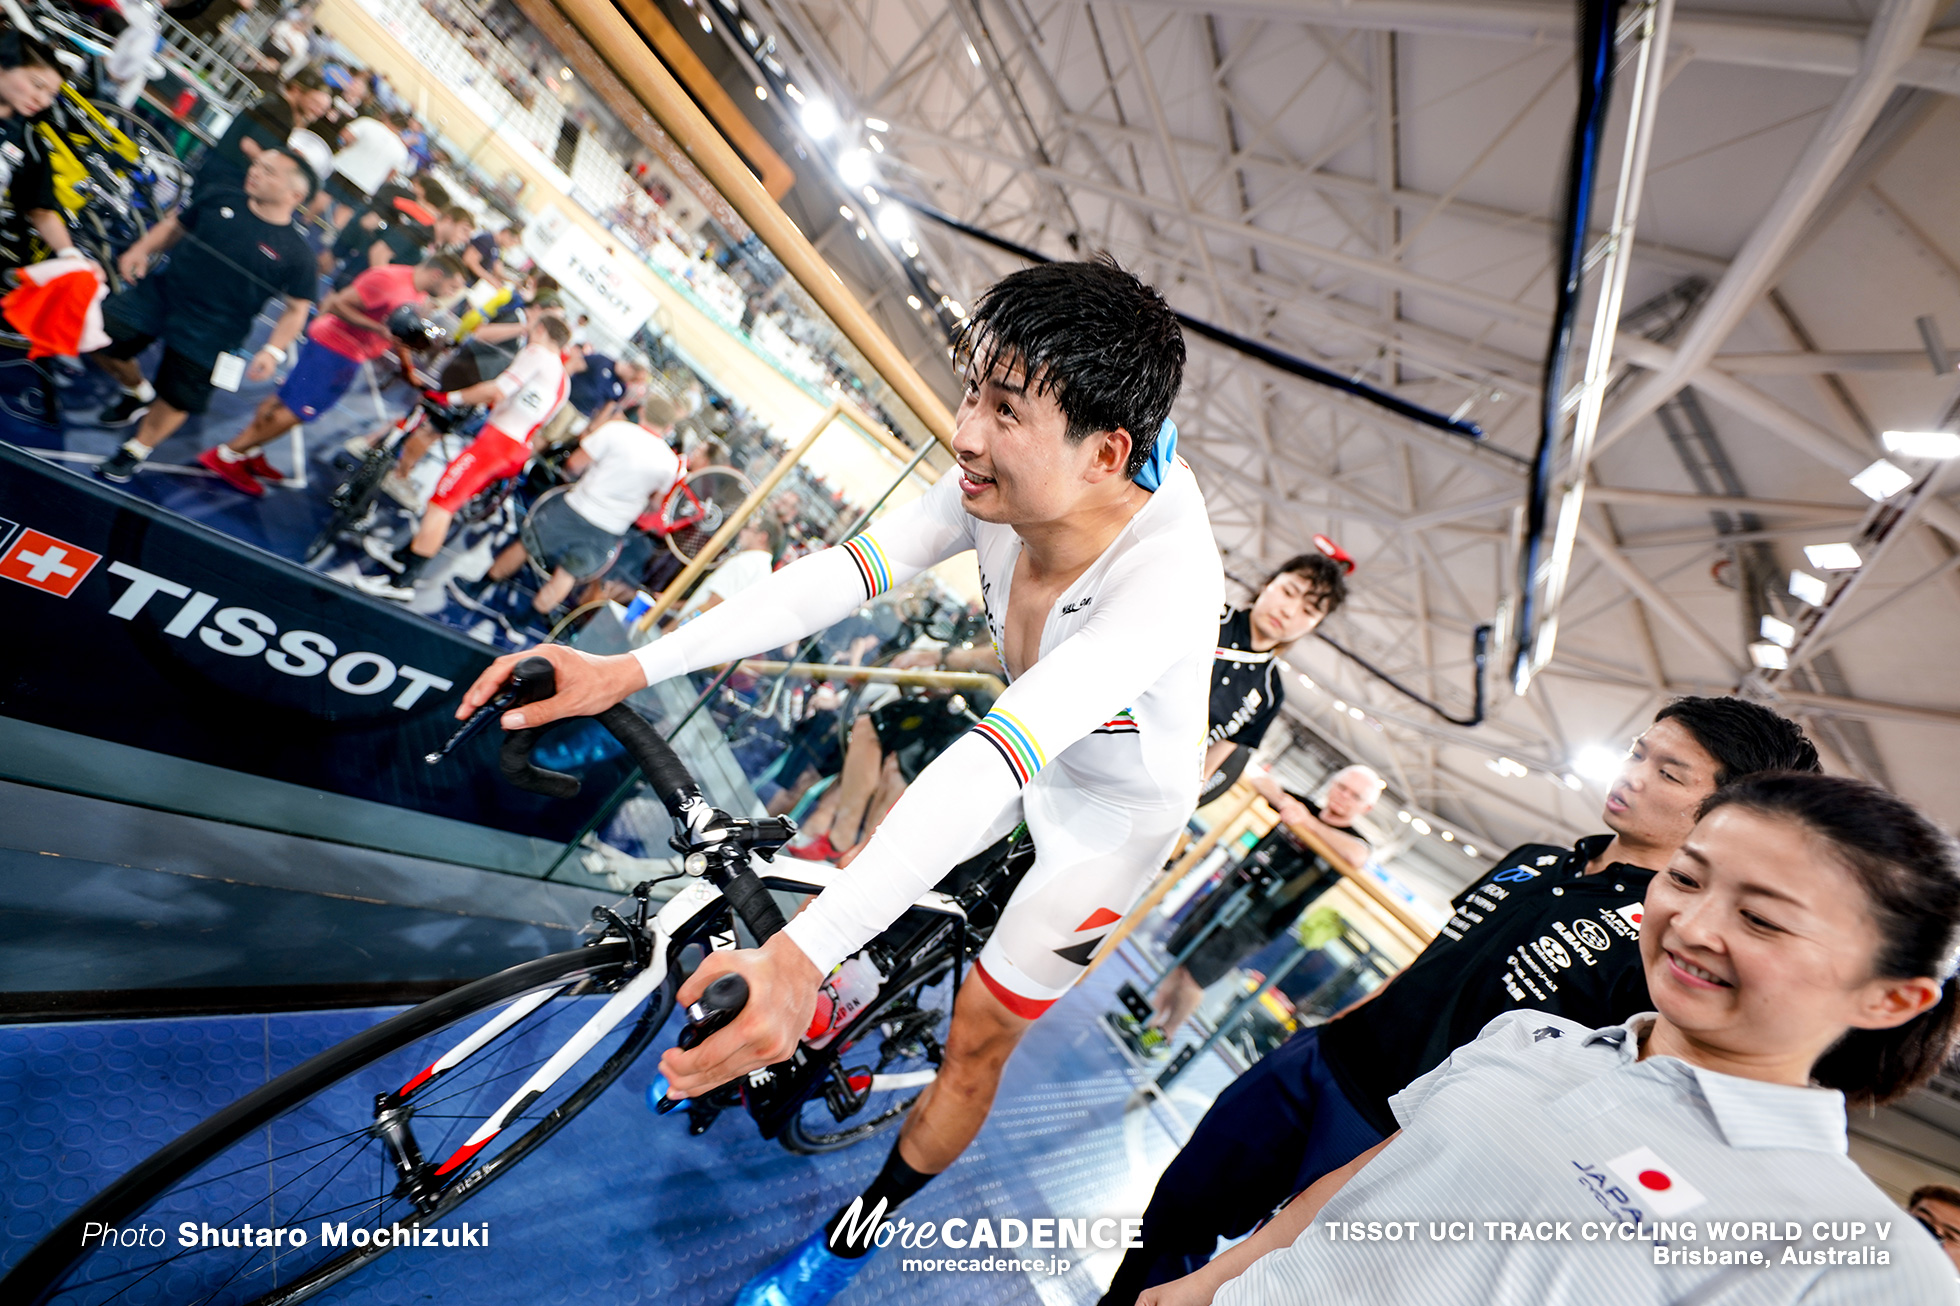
(1293, 875)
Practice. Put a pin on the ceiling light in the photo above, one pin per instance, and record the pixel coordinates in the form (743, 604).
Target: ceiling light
(871, 197)
(1922, 444)
(761, 92)
(877, 125)
(1569, 780)
(893, 222)
(1780, 633)
(854, 167)
(844, 212)
(1770, 657)
(1468, 851)
(706, 26)
(1403, 817)
(863, 234)
(564, 74)
(914, 301)
(1308, 683)
(953, 307)
(1419, 825)
(1833, 557)
(819, 119)
(876, 144)
(1448, 837)
(749, 33)
(789, 89)
(1600, 764)
(1808, 588)
(911, 248)
(1881, 480)
(972, 53)
(1507, 767)
(1339, 706)
(1356, 713)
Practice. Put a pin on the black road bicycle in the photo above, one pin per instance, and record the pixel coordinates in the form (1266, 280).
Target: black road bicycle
(374, 1142)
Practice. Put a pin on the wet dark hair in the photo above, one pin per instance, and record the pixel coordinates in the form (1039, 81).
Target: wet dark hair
(1910, 872)
(448, 264)
(1326, 579)
(434, 193)
(1104, 344)
(1743, 737)
(19, 50)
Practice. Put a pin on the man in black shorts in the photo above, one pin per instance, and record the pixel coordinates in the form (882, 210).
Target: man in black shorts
(1546, 928)
(230, 250)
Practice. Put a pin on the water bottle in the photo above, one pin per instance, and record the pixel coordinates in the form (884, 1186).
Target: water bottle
(843, 995)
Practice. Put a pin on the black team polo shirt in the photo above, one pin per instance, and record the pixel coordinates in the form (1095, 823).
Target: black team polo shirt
(1535, 932)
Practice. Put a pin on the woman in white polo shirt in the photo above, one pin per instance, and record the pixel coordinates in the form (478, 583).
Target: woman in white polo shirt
(1800, 948)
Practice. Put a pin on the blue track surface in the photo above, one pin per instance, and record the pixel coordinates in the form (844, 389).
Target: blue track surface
(622, 1206)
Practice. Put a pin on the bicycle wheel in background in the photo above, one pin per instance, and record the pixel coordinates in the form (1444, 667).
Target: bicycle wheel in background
(901, 1042)
(312, 1147)
(695, 511)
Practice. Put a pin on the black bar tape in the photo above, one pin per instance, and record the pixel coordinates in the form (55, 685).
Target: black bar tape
(514, 760)
(671, 780)
(753, 904)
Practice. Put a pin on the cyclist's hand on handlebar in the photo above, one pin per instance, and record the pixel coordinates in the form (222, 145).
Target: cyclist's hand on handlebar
(587, 685)
(782, 998)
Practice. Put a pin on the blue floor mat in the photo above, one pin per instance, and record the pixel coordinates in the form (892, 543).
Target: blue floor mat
(622, 1206)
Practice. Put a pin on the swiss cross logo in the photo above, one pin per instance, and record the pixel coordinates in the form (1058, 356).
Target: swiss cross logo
(44, 562)
(1655, 1185)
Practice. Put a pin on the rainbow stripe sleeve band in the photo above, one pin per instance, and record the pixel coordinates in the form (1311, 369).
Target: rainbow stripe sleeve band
(1014, 742)
(872, 565)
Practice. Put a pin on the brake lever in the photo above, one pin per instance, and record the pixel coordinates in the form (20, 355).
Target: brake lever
(722, 1002)
(478, 719)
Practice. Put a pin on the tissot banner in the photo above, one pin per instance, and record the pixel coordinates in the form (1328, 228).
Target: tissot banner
(126, 623)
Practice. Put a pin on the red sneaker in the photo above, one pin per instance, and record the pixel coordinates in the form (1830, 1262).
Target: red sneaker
(237, 475)
(813, 850)
(265, 471)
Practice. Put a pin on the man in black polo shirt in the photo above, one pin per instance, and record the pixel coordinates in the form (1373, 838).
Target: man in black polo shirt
(230, 251)
(1548, 929)
(268, 124)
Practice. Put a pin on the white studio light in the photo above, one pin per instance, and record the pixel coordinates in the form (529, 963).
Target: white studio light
(1506, 766)
(1308, 683)
(1778, 632)
(1339, 706)
(1808, 588)
(1600, 764)
(863, 234)
(1833, 557)
(1403, 817)
(915, 302)
(871, 197)
(1448, 837)
(789, 89)
(1419, 825)
(761, 92)
(854, 166)
(1922, 444)
(1881, 480)
(876, 144)
(877, 125)
(893, 222)
(911, 248)
(1770, 657)
(706, 26)
(819, 119)
(1469, 851)
(1570, 781)
(1356, 713)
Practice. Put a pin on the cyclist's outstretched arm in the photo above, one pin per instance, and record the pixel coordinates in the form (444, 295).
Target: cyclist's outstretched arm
(809, 595)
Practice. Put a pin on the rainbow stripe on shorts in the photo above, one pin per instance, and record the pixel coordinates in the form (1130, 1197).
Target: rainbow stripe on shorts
(1014, 742)
(873, 567)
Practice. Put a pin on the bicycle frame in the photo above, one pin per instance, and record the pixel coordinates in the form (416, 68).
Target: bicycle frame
(680, 917)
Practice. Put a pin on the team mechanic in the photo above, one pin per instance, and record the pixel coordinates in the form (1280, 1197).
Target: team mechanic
(1102, 587)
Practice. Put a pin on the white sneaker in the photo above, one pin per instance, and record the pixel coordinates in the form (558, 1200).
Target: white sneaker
(384, 587)
(377, 548)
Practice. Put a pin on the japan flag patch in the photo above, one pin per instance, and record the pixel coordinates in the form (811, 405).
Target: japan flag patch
(1631, 914)
(1657, 1186)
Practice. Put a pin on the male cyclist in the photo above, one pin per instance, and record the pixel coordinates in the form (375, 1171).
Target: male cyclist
(1103, 588)
(522, 397)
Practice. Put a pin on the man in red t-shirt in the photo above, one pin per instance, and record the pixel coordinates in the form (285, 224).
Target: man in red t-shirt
(351, 329)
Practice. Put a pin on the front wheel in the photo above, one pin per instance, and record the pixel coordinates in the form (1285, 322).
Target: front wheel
(320, 1150)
